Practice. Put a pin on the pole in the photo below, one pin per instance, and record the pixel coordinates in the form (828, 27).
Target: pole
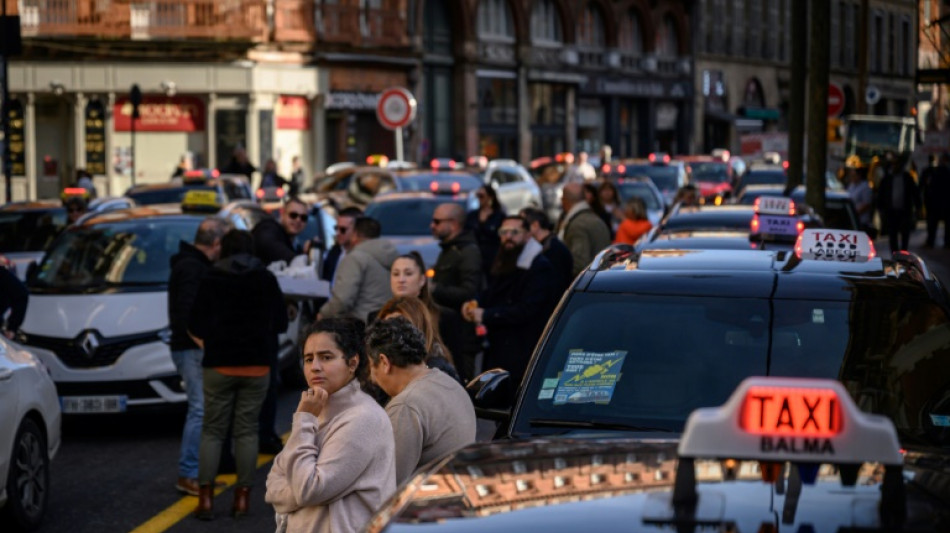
(796, 104)
(399, 144)
(819, 63)
(7, 164)
(133, 151)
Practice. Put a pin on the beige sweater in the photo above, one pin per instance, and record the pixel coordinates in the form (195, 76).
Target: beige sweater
(431, 417)
(336, 469)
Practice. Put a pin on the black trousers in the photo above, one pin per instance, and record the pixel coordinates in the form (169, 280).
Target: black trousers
(936, 215)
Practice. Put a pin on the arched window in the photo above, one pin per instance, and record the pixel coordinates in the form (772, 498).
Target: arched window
(630, 36)
(494, 21)
(590, 27)
(546, 23)
(668, 39)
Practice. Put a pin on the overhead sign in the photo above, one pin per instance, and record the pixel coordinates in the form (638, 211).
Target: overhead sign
(396, 108)
(161, 113)
(835, 100)
(293, 113)
(872, 95)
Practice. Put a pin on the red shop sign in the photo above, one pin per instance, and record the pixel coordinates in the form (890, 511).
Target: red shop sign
(293, 113)
(161, 113)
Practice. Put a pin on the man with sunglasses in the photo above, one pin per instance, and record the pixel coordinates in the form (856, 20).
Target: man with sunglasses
(343, 241)
(274, 240)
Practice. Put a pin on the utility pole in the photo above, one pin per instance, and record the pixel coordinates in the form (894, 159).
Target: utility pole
(135, 96)
(819, 61)
(796, 104)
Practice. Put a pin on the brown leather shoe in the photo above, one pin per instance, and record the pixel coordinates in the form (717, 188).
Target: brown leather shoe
(187, 485)
(205, 511)
(241, 497)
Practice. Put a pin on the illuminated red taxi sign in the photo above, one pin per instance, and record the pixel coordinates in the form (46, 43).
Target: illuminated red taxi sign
(790, 419)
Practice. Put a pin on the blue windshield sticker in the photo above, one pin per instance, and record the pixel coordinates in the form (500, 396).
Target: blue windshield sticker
(942, 421)
(589, 377)
(547, 387)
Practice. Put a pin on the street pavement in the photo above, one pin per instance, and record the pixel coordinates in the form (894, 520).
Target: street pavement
(936, 258)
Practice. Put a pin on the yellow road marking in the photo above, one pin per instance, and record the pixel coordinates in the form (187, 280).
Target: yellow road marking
(185, 506)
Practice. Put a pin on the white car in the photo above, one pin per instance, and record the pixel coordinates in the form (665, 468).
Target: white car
(515, 187)
(29, 436)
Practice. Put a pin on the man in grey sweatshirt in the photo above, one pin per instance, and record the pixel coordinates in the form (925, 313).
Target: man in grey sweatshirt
(430, 412)
(362, 285)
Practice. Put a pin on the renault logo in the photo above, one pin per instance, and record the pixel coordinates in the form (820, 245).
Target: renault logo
(90, 343)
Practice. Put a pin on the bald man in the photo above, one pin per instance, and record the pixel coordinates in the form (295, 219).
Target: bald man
(582, 231)
(457, 279)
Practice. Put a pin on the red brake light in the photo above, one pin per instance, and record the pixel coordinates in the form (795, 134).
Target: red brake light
(652, 158)
(434, 163)
(605, 168)
(785, 165)
(800, 227)
(873, 253)
(74, 190)
(666, 158)
(259, 193)
(215, 173)
(621, 168)
(280, 193)
(434, 186)
(754, 224)
(369, 160)
(791, 208)
(456, 188)
(452, 164)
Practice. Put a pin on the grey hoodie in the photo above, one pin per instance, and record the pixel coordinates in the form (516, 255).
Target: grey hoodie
(362, 280)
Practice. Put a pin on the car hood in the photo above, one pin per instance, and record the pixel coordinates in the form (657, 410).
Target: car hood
(426, 245)
(113, 314)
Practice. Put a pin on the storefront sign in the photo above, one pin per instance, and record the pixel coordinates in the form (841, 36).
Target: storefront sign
(351, 100)
(161, 113)
(293, 113)
(17, 144)
(638, 88)
(95, 138)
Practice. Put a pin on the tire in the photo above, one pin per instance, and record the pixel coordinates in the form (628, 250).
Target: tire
(28, 481)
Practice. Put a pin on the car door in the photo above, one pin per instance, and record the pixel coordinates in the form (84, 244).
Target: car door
(9, 405)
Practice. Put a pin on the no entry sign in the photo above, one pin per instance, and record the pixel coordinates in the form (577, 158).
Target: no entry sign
(835, 100)
(396, 108)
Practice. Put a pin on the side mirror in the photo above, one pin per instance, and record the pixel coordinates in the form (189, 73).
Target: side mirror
(492, 394)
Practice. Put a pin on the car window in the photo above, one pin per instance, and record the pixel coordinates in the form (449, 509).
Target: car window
(30, 231)
(443, 182)
(674, 354)
(171, 195)
(505, 176)
(405, 217)
(117, 254)
(665, 177)
(631, 189)
(764, 177)
(236, 191)
(710, 172)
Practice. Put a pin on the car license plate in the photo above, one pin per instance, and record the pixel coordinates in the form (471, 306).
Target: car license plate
(93, 404)
(778, 225)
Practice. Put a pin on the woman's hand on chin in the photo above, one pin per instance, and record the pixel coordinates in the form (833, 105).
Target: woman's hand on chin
(313, 401)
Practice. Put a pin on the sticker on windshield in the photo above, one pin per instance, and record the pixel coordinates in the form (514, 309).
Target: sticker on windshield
(942, 421)
(547, 388)
(589, 377)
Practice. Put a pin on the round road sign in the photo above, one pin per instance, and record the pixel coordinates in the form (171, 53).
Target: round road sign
(872, 95)
(835, 100)
(396, 108)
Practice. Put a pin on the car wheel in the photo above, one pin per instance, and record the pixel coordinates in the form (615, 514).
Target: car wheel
(28, 480)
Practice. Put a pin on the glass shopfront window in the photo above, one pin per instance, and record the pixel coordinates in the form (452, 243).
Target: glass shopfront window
(548, 118)
(498, 101)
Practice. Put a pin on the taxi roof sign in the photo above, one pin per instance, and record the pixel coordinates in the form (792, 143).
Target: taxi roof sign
(835, 245)
(790, 419)
(200, 200)
(775, 205)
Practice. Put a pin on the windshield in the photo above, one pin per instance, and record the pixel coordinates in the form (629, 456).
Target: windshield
(874, 138)
(136, 252)
(30, 231)
(171, 195)
(710, 172)
(639, 366)
(664, 177)
(630, 189)
(764, 177)
(406, 217)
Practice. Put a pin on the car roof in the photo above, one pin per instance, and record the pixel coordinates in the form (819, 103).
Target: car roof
(710, 217)
(425, 196)
(625, 484)
(143, 212)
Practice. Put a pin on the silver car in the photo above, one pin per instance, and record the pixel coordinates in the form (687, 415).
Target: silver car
(515, 187)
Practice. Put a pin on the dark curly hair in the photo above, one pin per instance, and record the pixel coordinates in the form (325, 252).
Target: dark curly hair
(347, 333)
(402, 343)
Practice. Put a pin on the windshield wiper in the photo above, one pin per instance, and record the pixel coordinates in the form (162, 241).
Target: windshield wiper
(581, 424)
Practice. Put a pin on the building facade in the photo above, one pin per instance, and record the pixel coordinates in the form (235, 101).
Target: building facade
(743, 54)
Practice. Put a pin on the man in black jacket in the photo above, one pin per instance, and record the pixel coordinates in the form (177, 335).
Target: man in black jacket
(13, 297)
(897, 198)
(542, 230)
(457, 279)
(273, 240)
(189, 266)
(518, 301)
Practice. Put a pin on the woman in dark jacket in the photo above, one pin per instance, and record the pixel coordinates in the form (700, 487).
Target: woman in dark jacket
(237, 315)
(484, 223)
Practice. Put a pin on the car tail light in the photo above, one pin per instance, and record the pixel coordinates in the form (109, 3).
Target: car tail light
(605, 168)
(434, 186)
(456, 188)
(652, 158)
(800, 227)
(621, 168)
(754, 224)
(259, 193)
(434, 164)
(280, 193)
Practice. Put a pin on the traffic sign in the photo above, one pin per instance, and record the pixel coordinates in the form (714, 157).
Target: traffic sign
(872, 95)
(396, 108)
(835, 100)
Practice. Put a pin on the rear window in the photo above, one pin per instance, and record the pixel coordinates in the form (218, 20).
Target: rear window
(172, 195)
(405, 217)
(664, 177)
(631, 189)
(443, 182)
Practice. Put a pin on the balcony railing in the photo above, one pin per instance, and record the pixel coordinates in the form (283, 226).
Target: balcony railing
(153, 19)
(341, 24)
(294, 21)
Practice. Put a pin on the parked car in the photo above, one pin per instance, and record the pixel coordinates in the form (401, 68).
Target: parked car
(29, 436)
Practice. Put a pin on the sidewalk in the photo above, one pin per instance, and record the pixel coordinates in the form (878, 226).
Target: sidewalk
(937, 258)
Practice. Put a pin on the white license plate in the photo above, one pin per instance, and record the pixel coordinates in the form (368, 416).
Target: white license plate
(93, 404)
(778, 225)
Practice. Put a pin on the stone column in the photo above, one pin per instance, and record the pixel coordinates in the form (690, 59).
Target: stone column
(211, 132)
(253, 137)
(111, 188)
(79, 130)
(29, 117)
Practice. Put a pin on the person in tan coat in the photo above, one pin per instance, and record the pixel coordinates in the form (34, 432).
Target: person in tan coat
(582, 231)
(338, 465)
